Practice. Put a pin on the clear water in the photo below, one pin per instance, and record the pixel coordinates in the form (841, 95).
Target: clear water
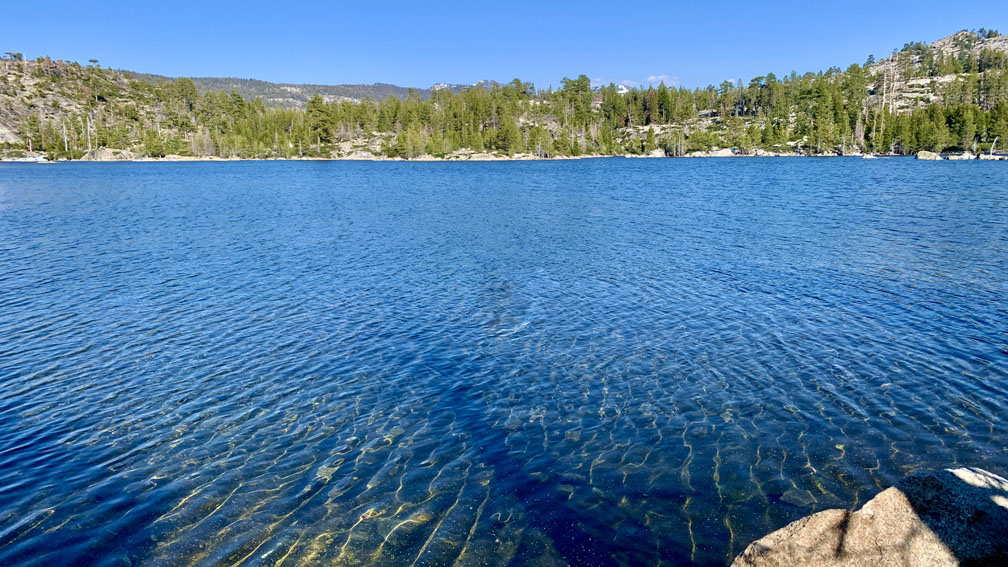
(597, 362)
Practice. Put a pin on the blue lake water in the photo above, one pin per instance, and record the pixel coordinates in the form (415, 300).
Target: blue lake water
(597, 362)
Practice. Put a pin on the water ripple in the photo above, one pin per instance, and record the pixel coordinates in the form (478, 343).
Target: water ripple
(608, 362)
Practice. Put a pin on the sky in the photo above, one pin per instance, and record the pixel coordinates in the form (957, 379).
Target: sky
(418, 44)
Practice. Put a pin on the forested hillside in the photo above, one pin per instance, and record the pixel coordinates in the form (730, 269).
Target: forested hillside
(948, 96)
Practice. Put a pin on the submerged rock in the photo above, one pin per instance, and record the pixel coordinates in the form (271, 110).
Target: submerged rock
(926, 155)
(945, 518)
(797, 497)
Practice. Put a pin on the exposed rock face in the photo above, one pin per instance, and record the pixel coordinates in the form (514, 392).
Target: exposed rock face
(969, 42)
(359, 155)
(946, 518)
(724, 152)
(926, 155)
(8, 135)
(962, 156)
(483, 156)
(105, 154)
(906, 93)
(760, 152)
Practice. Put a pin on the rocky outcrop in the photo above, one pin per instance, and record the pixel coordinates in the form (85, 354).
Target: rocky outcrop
(359, 155)
(106, 154)
(962, 156)
(483, 156)
(725, 152)
(908, 90)
(926, 155)
(759, 152)
(8, 135)
(946, 518)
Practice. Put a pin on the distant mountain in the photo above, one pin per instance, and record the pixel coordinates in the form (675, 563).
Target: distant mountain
(287, 95)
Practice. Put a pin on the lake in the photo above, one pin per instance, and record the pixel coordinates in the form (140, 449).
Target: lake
(606, 362)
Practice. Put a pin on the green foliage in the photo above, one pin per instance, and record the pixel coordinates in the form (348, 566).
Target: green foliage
(74, 108)
(701, 140)
(153, 144)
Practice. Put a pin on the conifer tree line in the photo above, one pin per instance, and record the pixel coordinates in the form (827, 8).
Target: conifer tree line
(73, 109)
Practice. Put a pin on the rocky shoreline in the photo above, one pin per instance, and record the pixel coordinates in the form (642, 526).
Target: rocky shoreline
(113, 155)
(932, 156)
(116, 155)
(944, 518)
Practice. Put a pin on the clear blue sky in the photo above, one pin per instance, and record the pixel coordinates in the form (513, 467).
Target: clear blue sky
(420, 43)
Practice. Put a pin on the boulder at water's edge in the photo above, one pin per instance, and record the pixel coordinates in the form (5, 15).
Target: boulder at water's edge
(945, 518)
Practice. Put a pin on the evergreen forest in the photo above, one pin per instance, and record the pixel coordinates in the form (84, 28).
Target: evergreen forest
(921, 98)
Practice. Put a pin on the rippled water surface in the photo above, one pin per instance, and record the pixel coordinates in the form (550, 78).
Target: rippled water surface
(598, 362)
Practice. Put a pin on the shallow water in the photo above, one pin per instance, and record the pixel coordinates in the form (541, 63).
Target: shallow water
(599, 362)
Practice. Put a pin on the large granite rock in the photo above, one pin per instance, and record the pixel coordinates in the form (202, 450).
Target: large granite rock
(926, 155)
(106, 154)
(724, 152)
(359, 155)
(946, 518)
(962, 156)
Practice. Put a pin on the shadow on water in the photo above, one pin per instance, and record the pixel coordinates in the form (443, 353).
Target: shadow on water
(577, 537)
(953, 516)
(967, 509)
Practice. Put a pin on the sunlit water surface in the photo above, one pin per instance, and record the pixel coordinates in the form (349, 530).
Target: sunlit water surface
(597, 362)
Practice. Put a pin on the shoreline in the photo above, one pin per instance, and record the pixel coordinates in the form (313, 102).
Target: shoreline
(483, 157)
(427, 159)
